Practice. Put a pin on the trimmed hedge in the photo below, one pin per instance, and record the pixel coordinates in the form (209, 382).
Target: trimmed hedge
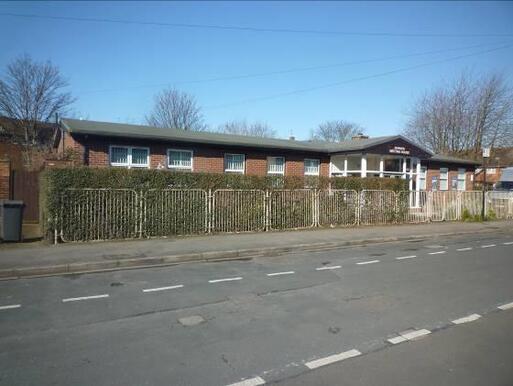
(56, 181)
(143, 179)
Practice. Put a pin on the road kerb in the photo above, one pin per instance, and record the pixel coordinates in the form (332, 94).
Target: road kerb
(214, 256)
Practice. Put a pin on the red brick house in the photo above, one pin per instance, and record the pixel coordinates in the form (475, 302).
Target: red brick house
(103, 144)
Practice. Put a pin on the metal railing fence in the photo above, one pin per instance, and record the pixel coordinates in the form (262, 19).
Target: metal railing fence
(337, 208)
(499, 205)
(107, 214)
(238, 210)
(99, 214)
(174, 212)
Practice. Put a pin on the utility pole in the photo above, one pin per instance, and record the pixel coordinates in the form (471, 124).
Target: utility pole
(486, 154)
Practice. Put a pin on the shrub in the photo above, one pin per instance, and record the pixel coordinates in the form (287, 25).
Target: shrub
(466, 216)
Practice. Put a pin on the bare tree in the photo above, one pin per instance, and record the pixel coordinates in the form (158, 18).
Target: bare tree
(176, 110)
(466, 114)
(336, 131)
(32, 92)
(256, 129)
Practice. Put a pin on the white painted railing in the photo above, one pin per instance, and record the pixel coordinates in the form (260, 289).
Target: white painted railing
(107, 214)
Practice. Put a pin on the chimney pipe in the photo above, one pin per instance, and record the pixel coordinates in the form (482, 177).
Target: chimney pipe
(359, 136)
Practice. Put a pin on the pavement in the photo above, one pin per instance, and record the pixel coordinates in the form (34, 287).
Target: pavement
(36, 259)
(431, 311)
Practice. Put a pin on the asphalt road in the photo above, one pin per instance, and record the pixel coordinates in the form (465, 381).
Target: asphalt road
(280, 319)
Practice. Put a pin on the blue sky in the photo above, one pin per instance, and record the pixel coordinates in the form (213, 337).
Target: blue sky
(115, 69)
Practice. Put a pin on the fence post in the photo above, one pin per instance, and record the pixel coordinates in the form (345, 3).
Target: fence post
(459, 208)
(266, 211)
(484, 205)
(316, 207)
(209, 211)
(140, 198)
(358, 207)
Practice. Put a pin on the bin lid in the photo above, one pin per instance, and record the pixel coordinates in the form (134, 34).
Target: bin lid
(11, 203)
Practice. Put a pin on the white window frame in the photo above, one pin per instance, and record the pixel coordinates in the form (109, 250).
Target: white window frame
(226, 170)
(281, 173)
(180, 167)
(318, 167)
(129, 163)
(444, 180)
(423, 178)
(464, 179)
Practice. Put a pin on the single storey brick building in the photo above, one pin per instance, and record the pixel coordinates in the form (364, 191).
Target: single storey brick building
(103, 144)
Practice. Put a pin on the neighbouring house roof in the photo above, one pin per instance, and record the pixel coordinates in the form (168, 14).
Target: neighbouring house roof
(11, 130)
(156, 133)
(451, 159)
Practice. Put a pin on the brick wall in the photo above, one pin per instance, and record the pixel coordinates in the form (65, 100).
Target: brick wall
(5, 179)
(434, 171)
(209, 159)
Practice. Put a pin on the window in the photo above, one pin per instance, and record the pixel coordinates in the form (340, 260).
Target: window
(373, 163)
(130, 156)
(119, 156)
(354, 163)
(179, 159)
(234, 163)
(311, 167)
(444, 179)
(393, 165)
(422, 178)
(275, 165)
(461, 179)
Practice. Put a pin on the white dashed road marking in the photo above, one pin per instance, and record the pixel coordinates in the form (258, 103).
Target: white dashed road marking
(464, 249)
(408, 335)
(506, 306)
(162, 288)
(405, 257)
(226, 279)
(437, 253)
(467, 319)
(367, 262)
(85, 298)
(9, 307)
(488, 246)
(249, 382)
(508, 243)
(397, 339)
(328, 267)
(415, 334)
(281, 273)
(332, 359)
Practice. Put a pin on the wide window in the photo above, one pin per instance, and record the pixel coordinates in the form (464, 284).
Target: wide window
(179, 159)
(393, 165)
(461, 179)
(129, 156)
(444, 179)
(311, 167)
(275, 165)
(234, 163)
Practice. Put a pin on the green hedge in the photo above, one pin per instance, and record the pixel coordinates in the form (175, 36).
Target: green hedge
(143, 179)
(55, 181)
